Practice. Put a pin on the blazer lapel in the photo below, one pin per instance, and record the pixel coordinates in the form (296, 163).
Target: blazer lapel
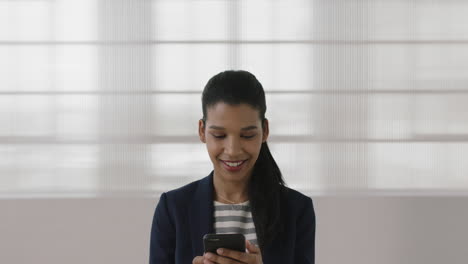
(201, 214)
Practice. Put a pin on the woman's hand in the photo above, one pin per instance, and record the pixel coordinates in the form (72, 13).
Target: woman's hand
(198, 260)
(226, 256)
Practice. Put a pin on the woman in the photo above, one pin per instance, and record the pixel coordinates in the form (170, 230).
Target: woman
(245, 192)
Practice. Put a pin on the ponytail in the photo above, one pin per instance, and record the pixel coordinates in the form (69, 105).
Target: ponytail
(265, 192)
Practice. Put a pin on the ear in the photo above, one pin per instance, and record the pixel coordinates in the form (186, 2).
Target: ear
(201, 131)
(266, 130)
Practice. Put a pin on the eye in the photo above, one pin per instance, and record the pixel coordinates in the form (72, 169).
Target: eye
(223, 136)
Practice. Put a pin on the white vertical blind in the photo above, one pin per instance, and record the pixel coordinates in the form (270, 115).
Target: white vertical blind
(103, 97)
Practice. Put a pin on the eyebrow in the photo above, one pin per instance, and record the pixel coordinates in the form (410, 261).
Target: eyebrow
(243, 129)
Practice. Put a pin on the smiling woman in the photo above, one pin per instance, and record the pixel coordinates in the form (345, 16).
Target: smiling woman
(245, 193)
(233, 142)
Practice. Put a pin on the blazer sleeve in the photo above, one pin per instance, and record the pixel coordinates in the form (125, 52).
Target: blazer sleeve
(162, 242)
(305, 236)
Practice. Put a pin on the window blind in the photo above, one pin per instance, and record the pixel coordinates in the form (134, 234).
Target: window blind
(103, 97)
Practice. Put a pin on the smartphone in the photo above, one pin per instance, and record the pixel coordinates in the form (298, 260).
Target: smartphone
(212, 242)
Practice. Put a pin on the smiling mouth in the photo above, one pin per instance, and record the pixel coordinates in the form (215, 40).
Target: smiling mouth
(233, 164)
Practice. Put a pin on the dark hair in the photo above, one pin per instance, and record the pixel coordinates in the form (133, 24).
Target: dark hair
(266, 184)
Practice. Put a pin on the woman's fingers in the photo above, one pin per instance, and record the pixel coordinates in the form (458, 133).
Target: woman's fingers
(197, 260)
(223, 259)
(227, 256)
(206, 261)
(201, 260)
(251, 247)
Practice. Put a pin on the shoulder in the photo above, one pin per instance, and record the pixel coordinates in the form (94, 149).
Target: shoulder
(196, 190)
(297, 202)
(176, 201)
(294, 195)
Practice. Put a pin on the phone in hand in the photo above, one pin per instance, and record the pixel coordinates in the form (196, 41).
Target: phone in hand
(212, 242)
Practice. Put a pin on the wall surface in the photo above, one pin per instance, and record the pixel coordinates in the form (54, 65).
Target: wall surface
(364, 230)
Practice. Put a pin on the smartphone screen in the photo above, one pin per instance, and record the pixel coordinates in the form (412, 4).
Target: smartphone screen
(212, 242)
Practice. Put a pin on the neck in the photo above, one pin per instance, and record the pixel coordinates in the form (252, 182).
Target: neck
(234, 192)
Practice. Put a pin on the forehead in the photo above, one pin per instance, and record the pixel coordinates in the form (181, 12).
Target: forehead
(232, 116)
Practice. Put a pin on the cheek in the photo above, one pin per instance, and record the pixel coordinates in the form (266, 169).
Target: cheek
(253, 148)
(213, 148)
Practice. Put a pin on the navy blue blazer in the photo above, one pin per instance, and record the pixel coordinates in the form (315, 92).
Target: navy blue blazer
(183, 216)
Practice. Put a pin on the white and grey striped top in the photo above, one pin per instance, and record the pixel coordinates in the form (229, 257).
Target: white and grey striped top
(235, 218)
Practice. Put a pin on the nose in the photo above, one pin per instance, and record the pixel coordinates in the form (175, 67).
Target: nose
(233, 147)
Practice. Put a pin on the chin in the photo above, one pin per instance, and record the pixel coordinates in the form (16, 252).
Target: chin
(232, 177)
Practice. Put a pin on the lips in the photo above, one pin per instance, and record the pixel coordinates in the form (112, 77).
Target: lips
(233, 168)
(233, 161)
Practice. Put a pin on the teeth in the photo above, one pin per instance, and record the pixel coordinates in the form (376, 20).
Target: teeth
(233, 164)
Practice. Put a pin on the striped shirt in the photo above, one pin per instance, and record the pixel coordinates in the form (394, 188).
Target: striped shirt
(234, 218)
